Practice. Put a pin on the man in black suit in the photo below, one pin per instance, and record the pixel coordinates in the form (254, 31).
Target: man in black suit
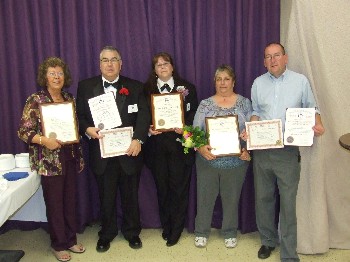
(123, 171)
(165, 156)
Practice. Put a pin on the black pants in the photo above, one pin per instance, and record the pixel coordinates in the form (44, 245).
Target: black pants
(172, 178)
(108, 184)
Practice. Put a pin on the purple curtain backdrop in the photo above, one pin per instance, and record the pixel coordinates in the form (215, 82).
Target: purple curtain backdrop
(199, 34)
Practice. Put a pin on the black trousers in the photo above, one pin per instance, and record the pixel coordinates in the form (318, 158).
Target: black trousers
(108, 183)
(172, 177)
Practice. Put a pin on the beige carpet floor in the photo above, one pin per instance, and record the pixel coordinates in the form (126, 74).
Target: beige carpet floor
(36, 247)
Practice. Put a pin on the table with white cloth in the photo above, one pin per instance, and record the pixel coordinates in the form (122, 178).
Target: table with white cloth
(23, 199)
(20, 201)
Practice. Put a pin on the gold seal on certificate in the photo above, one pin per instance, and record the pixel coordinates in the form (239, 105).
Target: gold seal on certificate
(167, 111)
(53, 135)
(58, 121)
(290, 139)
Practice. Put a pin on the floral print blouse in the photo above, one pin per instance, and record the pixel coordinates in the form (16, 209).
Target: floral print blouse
(43, 160)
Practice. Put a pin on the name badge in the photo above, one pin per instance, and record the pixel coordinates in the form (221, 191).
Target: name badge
(188, 107)
(133, 108)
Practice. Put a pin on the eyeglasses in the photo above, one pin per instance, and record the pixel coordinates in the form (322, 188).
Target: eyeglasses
(277, 56)
(54, 74)
(113, 60)
(165, 64)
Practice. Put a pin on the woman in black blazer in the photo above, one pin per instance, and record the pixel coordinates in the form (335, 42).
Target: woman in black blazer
(164, 155)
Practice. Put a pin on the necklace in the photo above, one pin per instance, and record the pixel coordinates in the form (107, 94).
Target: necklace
(227, 98)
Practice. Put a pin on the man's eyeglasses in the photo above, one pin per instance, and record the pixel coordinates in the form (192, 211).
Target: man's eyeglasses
(277, 56)
(113, 60)
(54, 74)
(165, 64)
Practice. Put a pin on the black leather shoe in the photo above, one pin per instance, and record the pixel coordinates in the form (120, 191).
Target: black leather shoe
(165, 236)
(102, 245)
(172, 242)
(265, 252)
(135, 242)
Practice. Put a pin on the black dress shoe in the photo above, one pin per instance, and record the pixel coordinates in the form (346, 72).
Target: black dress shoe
(172, 241)
(102, 245)
(135, 242)
(165, 236)
(265, 252)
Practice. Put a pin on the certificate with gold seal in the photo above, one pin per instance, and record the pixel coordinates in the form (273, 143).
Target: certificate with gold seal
(58, 121)
(167, 111)
(298, 127)
(223, 135)
(264, 134)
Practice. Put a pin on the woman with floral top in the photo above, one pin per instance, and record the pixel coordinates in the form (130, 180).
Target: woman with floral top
(225, 175)
(170, 166)
(58, 164)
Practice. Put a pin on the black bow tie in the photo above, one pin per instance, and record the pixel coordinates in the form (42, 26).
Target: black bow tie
(165, 87)
(106, 84)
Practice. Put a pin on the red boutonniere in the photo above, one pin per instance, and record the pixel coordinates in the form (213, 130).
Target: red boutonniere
(124, 91)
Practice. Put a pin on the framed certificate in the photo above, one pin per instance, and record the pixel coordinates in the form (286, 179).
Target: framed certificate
(264, 134)
(115, 142)
(223, 135)
(167, 111)
(58, 121)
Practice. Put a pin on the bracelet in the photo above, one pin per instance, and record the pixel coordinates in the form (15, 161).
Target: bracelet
(40, 142)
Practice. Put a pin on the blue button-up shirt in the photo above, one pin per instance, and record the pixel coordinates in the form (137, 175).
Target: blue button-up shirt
(271, 96)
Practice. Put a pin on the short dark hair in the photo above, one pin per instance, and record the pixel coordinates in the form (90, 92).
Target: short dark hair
(276, 43)
(151, 83)
(53, 62)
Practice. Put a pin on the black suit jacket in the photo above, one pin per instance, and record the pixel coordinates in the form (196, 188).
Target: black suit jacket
(190, 105)
(139, 120)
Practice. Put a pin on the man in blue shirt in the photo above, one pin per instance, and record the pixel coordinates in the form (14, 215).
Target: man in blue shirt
(272, 93)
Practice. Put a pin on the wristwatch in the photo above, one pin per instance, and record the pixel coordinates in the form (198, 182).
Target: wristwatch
(140, 141)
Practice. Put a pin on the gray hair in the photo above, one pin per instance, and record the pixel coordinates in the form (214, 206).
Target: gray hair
(110, 48)
(225, 68)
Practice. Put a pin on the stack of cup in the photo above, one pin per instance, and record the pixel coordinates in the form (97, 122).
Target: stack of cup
(7, 162)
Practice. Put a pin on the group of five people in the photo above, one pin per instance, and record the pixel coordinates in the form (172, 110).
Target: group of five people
(59, 163)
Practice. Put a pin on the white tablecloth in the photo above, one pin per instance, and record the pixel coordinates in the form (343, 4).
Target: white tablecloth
(20, 193)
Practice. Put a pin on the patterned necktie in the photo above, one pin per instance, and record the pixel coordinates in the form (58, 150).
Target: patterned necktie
(165, 87)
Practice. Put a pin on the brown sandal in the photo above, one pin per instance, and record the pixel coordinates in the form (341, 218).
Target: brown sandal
(61, 255)
(78, 248)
